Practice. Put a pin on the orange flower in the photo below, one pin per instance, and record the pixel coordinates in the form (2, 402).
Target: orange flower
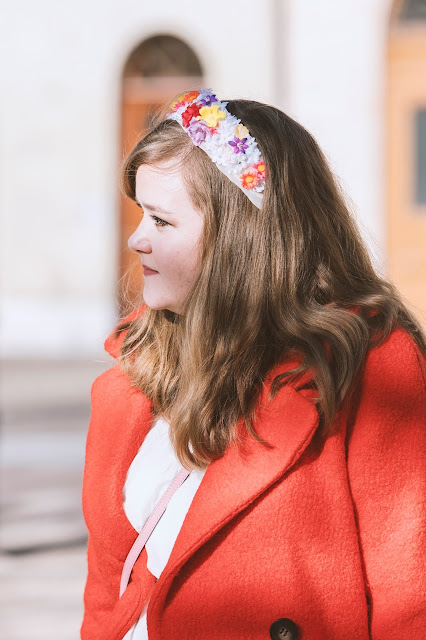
(188, 97)
(249, 179)
(184, 97)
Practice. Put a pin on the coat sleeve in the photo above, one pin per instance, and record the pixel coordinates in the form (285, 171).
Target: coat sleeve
(100, 593)
(387, 478)
(99, 600)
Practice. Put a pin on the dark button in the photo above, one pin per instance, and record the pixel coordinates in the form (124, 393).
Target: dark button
(283, 629)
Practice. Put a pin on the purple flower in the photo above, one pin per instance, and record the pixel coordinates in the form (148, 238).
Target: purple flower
(207, 98)
(198, 130)
(239, 144)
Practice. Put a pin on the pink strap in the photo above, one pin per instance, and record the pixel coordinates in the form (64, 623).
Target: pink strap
(148, 528)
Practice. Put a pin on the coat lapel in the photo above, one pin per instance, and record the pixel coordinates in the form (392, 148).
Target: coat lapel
(236, 479)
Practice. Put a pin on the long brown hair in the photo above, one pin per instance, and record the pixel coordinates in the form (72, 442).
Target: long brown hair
(277, 281)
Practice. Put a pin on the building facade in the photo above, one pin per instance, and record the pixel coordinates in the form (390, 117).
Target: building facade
(80, 81)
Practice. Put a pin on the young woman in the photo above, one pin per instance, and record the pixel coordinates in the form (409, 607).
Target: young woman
(273, 384)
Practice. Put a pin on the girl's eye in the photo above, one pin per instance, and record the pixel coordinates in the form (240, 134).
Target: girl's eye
(159, 222)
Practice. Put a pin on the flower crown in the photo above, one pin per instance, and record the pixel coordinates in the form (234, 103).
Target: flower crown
(224, 138)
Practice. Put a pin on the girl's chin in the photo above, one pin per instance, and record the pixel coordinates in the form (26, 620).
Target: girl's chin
(160, 305)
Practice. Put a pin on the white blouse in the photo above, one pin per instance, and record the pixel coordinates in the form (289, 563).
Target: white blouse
(149, 475)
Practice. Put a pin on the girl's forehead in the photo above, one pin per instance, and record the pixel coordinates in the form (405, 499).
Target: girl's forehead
(150, 180)
(163, 189)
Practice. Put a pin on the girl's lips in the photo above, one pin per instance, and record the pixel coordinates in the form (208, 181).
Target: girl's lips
(148, 272)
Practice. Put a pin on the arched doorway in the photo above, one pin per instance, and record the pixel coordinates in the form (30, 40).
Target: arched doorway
(156, 70)
(406, 152)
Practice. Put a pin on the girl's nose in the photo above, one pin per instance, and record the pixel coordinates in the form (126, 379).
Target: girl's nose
(138, 241)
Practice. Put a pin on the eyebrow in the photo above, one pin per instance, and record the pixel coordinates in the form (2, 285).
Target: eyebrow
(152, 207)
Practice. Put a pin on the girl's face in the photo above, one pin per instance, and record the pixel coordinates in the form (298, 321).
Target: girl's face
(168, 238)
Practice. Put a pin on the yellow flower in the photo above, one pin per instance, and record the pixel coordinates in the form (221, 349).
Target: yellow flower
(211, 115)
(241, 131)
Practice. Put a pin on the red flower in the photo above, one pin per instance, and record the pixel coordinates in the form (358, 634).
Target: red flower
(191, 112)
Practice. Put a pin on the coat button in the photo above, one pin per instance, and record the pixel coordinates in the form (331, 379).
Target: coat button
(283, 629)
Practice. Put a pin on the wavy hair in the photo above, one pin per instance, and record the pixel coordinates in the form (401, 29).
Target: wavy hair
(274, 282)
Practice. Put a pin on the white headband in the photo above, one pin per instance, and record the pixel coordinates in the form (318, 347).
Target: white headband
(224, 138)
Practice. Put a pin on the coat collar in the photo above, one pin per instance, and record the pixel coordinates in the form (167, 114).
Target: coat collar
(115, 339)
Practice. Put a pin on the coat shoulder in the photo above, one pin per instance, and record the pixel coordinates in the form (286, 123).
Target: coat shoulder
(397, 362)
(392, 401)
(115, 401)
(115, 339)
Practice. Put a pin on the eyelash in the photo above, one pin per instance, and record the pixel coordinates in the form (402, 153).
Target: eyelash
(159, 221)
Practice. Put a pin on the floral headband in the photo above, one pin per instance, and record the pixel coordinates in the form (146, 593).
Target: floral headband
(224, 138)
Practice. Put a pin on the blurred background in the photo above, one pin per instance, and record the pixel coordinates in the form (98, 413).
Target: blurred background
(79, 84)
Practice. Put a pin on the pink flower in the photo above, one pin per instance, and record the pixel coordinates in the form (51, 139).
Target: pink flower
(260, 168)
(198, 130)
(177, 105)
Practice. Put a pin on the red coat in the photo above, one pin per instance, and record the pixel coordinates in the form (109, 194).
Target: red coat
(328, 535)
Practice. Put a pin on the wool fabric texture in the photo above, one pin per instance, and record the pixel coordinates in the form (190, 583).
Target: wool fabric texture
(327, 533)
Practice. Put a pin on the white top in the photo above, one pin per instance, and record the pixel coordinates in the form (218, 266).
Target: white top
(149, 475)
